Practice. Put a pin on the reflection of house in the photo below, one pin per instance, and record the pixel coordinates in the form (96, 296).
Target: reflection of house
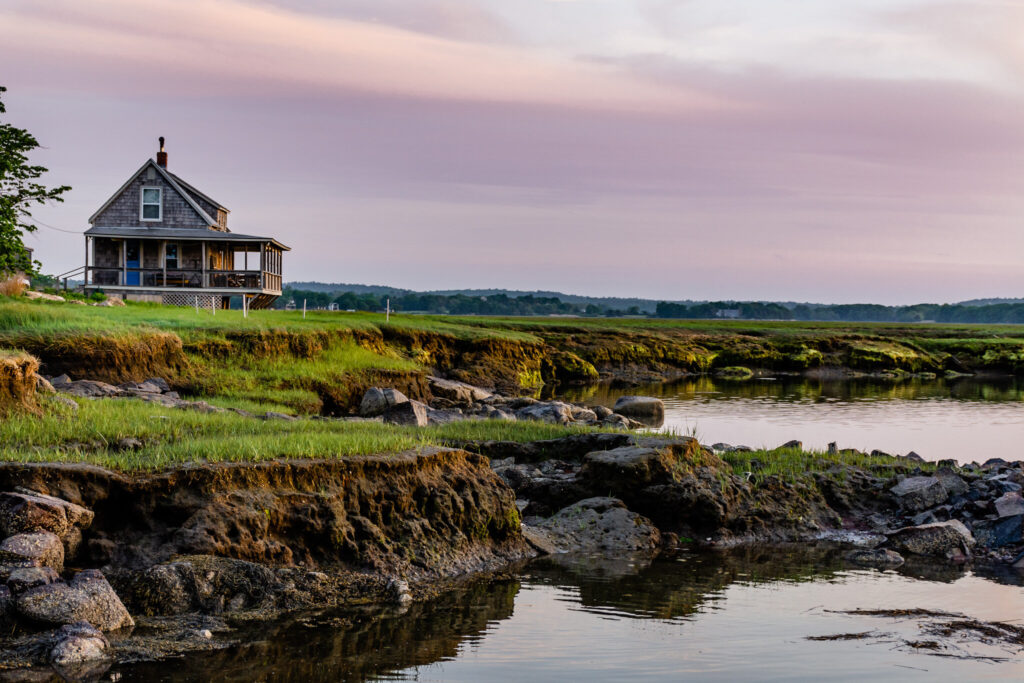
(160, 239)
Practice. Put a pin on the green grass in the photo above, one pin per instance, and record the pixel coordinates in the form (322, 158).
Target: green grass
(794, 465)
(171, 436)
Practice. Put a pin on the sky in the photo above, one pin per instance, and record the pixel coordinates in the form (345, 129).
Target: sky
(841, 151)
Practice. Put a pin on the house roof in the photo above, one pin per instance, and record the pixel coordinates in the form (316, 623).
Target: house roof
(182, 234)
(171, 180)
(193, 190)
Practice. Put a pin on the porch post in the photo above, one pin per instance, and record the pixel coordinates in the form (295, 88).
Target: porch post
(203, 243)
(86, 263)
(163, 261)
(142, 262)
(263, 261)
(124, 262)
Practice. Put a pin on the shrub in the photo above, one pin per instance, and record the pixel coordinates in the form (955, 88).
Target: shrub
(12, 285)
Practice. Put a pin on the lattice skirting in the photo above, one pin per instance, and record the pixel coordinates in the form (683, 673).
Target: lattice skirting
(186, 299)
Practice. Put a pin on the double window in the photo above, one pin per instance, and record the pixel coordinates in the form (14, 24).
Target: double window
(152, 206)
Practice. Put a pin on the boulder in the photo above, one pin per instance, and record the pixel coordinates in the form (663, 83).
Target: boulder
(411, 413)
(602, 412)
(34, 549)
(951, 540)
(88, 388)
(996, 533)
(633, 467)
(24, 511)
(540, 540)
(554, 412)
(24, 578)
(282, 417)
(88, 597)
(1009, 504)
(77, 644)
(640, 407)
(794, 445)
(916, 494)
(43, 386)
(460, 392)
(581, 414)
(600, 524)
(879, 558)
(443, 417)
(376, 401)
(951, 481)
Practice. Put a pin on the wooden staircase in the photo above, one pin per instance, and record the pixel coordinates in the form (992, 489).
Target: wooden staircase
(262, 301)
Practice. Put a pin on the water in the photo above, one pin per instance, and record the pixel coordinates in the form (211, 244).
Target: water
(736, 616)
(962, 419)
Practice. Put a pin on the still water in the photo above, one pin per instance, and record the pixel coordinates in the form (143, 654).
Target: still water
(745, 615)
(961, 419)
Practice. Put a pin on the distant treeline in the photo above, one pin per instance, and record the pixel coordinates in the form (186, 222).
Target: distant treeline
(455, 304)
(533, 305)
(942, 313)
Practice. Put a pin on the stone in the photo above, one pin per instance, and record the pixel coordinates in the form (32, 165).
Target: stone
(399, 591)
(412, 413)
(376, 401)
(880, 558)
(994, 462)
(60, 380)
(88, 597)
(43, 386)
(996, 533)
(33, 295)
(24, 578)
(443, 417)
(914, 456)
(88, 388)
(24, 511)
(581, 414)
(554, 412)
(954, 485)
(160, 383)
(78, 643)
(792, 445)
(128, 443)
(34, 549)
(600, 524)
(283, 417)
(640, 407)
(1009, 504)
(602, 412)
(540, 540)
(460, 392)
(920, 493)
(65, 402)
(951, 540)
(613, 420)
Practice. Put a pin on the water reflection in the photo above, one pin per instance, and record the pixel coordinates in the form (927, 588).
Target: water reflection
(741, 614)
(965, 419)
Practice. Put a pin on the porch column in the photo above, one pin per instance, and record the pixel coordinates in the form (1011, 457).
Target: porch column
(263, 262)
(124, 262)
(86, 274)
(204, 262)
(142, 262)
(163, 261)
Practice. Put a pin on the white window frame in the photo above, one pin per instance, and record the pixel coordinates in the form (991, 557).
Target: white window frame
(143, 205)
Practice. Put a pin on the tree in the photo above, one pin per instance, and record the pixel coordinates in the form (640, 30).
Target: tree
(19, 192)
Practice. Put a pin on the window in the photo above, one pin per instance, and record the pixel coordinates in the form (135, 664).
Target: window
(151, 204)
(171, 256)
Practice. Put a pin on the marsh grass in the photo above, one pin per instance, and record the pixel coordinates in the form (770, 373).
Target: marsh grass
(793, 465)
(169, 436)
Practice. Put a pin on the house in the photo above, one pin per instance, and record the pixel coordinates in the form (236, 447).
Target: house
(160, 239)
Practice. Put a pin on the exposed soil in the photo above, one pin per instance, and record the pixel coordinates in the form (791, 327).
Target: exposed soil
(18, 383)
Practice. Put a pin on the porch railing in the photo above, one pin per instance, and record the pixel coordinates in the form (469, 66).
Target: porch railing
(183, 278)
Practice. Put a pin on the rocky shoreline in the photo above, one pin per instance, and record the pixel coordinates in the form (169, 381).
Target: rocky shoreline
(102, 566)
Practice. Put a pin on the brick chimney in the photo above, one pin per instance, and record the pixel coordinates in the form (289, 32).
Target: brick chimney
(161, 156)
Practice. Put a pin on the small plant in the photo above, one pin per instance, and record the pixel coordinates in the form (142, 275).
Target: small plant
(13, 285)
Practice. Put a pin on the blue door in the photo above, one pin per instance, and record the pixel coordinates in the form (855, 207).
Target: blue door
(131, 260)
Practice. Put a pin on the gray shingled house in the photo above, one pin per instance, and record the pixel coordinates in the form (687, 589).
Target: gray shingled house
(160, 239)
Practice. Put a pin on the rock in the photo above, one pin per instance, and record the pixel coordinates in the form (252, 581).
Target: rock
(881, 558)
(376, 401)
(443, 417)
(60, 380)
(65, 401)
(721, 447)
(602, 412)
(34, 549)
(400, 592)
(791, 445)
(642, 407)
(33, 295)
(634, 466)
(951, 540)
(920, 493)
(23, 578)
(914, 456)
(160, 383)
(460, 392)
(580, 414)
(24, 511)
(996, 533)
(554, 412)
(954, 485)
(620, 421)
(284, 417)
(600, 524)
(994, 462)
(43, 386)
(78, 643)
(88, 597)
(1009, 504)
(411, 413)
(128, 443)
(540, 540)
(88, 388)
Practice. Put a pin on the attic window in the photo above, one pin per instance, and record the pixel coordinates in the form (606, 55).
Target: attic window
(151, 204)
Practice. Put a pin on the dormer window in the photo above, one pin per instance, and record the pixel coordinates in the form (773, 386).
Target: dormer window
(151, 205)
